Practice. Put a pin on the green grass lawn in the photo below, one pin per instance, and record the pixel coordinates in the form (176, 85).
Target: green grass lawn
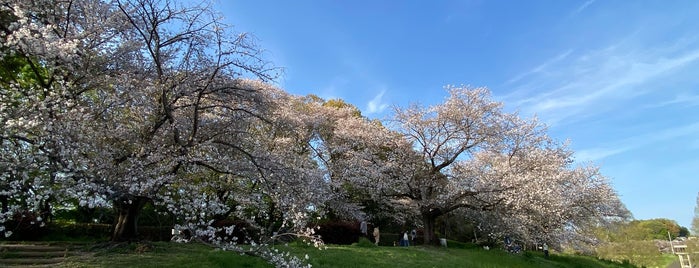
(163, 254)
(462, 255)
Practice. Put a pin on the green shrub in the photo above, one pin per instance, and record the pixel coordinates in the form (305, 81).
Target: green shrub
(62, 231)
(364, 243)
(24, 226)
(80, 231)
(339, 232)
(639, 253)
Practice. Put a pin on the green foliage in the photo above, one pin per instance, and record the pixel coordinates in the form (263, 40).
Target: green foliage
(155, 216)
(639, 253)
(336, 103)
(59, 231)
(659, 228)
(634, 241)
(85, 215)
(653, 229)
(684, 232)
(341, 104)
(28, 75)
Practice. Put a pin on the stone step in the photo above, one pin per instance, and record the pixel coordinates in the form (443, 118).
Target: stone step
(35, 254)
(30, 247)
(30, 261)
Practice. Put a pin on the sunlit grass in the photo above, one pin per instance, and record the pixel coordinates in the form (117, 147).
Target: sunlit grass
(419, 256)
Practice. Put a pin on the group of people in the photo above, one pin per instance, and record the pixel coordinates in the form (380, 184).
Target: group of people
(404, 242)
(512, 247)
(364, 229)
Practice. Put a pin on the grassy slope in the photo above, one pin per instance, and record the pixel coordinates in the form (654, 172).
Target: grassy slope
(353, 256)
(181, 255)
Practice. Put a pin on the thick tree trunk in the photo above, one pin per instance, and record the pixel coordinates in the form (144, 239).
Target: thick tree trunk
(126, 222)
(428, 220)
(5, 204)
(46, 213)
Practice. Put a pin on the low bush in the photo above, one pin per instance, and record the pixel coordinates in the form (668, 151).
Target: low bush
(24, 226)
(364, 243)
(339, 232)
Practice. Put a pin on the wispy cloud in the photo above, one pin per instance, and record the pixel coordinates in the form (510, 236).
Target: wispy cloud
(640, 141)
(377, 105)
(684, 99)
(540, 68)
(595, 154)
(583, 6)
(584, 84)
(334, 88)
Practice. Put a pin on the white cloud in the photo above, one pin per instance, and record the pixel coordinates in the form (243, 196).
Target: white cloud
(376, 105)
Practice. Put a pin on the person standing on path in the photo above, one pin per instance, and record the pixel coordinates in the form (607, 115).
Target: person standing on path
(363, 228)
(376, 235)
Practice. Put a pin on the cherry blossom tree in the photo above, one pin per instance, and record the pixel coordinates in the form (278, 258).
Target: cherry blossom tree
(467, 154)
(32, 98)
(443, 135)
(350, 150)
(134, 98)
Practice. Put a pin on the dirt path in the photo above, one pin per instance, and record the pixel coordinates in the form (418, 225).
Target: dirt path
(675, 264)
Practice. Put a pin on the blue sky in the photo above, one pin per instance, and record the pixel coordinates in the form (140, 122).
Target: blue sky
(619, 79)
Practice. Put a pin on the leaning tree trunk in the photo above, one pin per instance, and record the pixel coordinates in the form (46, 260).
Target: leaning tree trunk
(126, 222)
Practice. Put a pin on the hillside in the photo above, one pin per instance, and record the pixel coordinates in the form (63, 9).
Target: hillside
(163, 254)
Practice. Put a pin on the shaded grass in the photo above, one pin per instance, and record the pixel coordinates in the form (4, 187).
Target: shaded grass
(163, 254)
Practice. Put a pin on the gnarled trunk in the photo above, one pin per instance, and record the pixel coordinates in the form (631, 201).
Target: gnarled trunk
(126, 222)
